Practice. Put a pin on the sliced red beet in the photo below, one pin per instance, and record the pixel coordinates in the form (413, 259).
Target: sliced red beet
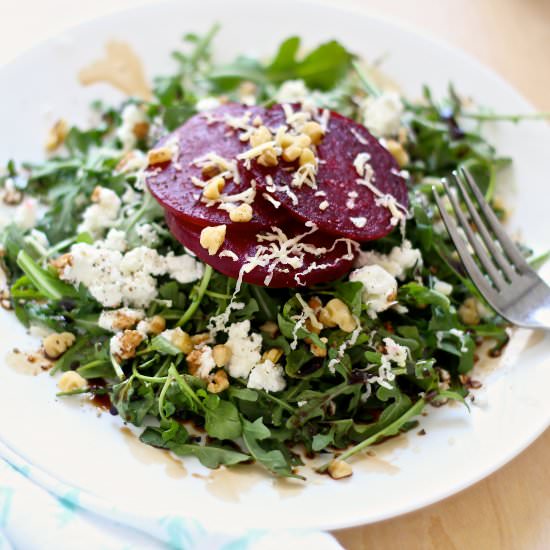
(332, 204)
(316, 266)
(171, 182)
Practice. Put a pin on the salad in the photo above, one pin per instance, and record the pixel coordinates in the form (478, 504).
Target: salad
(250, 266)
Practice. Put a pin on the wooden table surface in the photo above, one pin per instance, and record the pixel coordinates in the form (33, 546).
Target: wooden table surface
(510, 509)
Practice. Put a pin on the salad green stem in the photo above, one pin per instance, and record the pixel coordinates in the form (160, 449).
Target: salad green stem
(389, 430)
(193, 306)
(117, 368)
(45, 282)
(370, 87)
(184, 386)
(505, 118)
(162, 396)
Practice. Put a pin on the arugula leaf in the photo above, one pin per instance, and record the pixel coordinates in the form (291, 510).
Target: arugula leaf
(50, 287)
(221, 418)
(210, 456)
(164, 346)
(274, 460)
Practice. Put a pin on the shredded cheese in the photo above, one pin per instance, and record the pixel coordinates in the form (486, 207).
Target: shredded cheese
(228, 254)
(350, 342)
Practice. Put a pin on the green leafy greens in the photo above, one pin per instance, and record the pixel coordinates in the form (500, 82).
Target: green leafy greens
(341, 394)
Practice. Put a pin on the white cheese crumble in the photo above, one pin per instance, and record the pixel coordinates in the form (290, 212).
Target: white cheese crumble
(267, 376)
(292, 91)
(115, 344)
(245, 349)
(396, 263)
(184, 269)
(442, 287)
(147, 234)
(324, 205)
(114, 278)
(116, 320)
(102, 213)
(115, 240)
(380, 288)
(207, 104)
(206, 363)
(131, 115)
(382, 114)
(26, 214)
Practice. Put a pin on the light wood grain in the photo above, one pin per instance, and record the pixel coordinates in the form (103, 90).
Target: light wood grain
(510, 509)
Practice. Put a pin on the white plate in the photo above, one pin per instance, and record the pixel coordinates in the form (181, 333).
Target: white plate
(70, 442)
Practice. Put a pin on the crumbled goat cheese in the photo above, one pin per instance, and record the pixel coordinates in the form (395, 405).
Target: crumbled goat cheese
(184, 269)
(115, 344)
(131, 196)
(131, 115)
(207, 363)
(382, 114)
(267, 376)
(113, 278)
(245, 349)
(147, 233)
(443, 288)
(396, 352)
(207, 104)
(292, 91)
(396, 263)
(115, 240)
(116, 320)
(102, 213)
(26, 214)
(380, 288)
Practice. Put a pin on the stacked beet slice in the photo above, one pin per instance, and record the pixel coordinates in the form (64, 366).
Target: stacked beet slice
(298, 235)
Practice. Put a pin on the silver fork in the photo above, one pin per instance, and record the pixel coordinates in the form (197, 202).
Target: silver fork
(501, 274)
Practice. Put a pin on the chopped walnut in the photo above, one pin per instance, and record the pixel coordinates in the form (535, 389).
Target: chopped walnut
(127, 344)
(71, 381)
(270, 328)
(56, 135)
(61, 262)
(56, 344)
(221, 354)
(218, 383)
(273, 355)
(339, 469)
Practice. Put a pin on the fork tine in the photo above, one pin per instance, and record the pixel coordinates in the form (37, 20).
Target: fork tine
(510, 249)
(471, 267)
(492, 271)
(502, 262)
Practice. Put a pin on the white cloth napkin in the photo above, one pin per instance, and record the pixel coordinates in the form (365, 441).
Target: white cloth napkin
(39, 512)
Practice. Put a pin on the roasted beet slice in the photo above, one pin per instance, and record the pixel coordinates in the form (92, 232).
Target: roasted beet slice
(337, 204)
(171, 183)
(305, 267)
